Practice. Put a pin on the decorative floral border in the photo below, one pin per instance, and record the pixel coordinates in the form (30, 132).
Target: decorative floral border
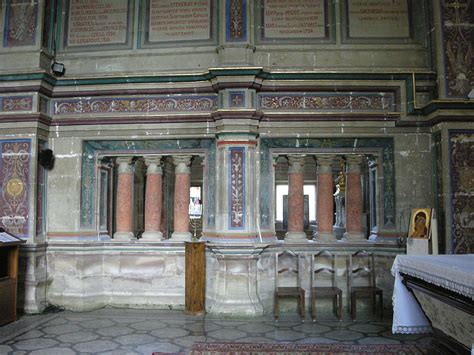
(236, 20)
(21, 19)
(457, 28)
(356, 101)
(461, 173)
(15, 181)
(237, 188)
(161, 103)
(16, 103)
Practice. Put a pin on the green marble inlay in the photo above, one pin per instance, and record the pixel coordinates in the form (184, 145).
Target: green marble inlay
(140, 147)
(386, 146)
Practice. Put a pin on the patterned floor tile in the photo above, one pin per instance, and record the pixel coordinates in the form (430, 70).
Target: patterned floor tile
(366, 328)
(34, 344)
(61, 329)
(164, 347)
(227, 334)
(169, 333)
(285, 335)
(343, 335)
(113, 331)
(96, 346)
(77, 337)
(135, 339)
(53, 351)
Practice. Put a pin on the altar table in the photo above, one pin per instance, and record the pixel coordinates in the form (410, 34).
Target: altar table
(439, 297)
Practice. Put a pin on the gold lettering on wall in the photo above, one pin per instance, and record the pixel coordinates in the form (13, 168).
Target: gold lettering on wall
(178, 20)
(93, 22)
(378, 19)
(294, 19)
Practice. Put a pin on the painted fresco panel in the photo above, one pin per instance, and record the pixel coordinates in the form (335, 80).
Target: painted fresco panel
(458, 41)
(41, 192)
(237, 188)
(236, 20)
(439, 193)
(21, 19)
(378, 19)
(15, 186)
(461, 151)
(91, 24)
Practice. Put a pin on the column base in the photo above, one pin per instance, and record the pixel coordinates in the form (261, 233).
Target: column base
(296, 237)
(325, 237)
(124, 236)
(152, 236)
(352, 237)
(181, 237)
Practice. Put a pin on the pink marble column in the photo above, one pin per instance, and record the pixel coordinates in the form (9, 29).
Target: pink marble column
(296, 200)
(124, 204)
(181, 198)
(325, 209)
(353, 199)
(153, 199)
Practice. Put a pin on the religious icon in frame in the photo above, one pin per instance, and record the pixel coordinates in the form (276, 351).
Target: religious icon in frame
(420, 220)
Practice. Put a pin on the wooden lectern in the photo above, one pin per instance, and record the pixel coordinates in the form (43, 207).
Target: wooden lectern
(9, 252)
(195, 282)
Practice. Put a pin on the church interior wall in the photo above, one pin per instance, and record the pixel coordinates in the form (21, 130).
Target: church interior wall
(394, 90)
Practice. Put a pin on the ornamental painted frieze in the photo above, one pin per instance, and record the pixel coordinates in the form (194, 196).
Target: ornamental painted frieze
(14, 182)
(328, 102)
(237, 188)
(16, 103)
(135, 105)
(462, 191)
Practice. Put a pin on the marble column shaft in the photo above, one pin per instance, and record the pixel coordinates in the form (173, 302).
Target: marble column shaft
(153, 199)
(296, 199)
(353, 198)
(124, 205)
(325, 208)
(181, 197)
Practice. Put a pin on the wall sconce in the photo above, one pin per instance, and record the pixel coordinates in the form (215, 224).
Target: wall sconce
(58, 69)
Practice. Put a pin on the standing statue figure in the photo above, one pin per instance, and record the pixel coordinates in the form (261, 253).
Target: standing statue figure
(339, 199)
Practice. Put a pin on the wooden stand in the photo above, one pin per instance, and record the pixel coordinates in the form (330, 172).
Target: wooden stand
(9, 252)
(195, 295)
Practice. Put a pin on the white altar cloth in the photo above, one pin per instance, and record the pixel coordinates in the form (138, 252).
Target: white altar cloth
(452, 272)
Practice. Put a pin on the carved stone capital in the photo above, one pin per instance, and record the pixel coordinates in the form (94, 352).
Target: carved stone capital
(154, 165)
(296, 162)
(324, 163)
(354, 163)
(125, 164)
(182, 163)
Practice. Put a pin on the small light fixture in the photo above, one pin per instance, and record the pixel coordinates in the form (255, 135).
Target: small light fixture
(58, 69)
(46, 158)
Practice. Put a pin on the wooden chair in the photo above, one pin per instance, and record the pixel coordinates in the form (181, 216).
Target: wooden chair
(283, 270)
(361, 265)
(333, 291)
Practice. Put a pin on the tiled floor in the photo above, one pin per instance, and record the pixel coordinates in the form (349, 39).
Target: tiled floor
(120, 331)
